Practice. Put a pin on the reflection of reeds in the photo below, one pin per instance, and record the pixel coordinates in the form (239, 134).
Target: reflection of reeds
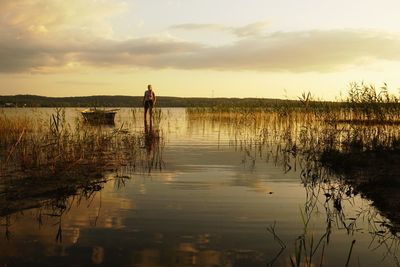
(52, 200)
(334, 197)
(327, 141)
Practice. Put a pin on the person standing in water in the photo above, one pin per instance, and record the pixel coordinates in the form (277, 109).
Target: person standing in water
(149, 100)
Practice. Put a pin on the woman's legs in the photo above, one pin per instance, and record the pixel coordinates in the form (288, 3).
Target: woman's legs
(148, 106)
(151, 114)
(145, 113)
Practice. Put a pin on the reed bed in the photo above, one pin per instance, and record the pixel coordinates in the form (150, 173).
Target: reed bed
(55, 148)
(366, 121)
(341, 146)
(50, 164)
(340, 149)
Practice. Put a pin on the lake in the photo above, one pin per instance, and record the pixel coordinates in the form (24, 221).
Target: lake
(214, 200)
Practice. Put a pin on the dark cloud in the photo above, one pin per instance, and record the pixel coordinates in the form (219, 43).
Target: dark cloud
(293, 51)
(136, 52)
(21, 56)
(281, 51)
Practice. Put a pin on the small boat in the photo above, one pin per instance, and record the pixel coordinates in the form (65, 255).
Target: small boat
(99, 116)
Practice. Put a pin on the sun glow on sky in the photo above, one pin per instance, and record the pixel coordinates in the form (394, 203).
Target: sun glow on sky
(252, 48)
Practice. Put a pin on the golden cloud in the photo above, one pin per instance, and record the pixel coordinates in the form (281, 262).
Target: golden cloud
(294, 51)
(55, 34)
(39, 19)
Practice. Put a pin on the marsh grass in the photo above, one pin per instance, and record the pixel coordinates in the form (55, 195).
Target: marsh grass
(321, 135)
(52, 164)
(373, 104)
(368, 120)
(55, 148)
(341, 149)
(49, 164)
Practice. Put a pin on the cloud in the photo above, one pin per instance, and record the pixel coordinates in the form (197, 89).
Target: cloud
(46, 35)
(199, 26)
(54, 35)
(253, 29)
(319, 51)
(135, 52)
(19, 56)
(295, 52)
(48, 18)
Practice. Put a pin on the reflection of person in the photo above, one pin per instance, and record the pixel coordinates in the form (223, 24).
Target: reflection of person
(150, 138)
(151, 143)
(149, 100)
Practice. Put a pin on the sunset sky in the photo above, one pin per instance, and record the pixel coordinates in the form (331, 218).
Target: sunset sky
(220, 48)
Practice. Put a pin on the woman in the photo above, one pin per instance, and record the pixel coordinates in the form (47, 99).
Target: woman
(149, 100)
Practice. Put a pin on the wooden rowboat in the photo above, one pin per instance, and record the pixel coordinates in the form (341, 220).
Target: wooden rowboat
(99, 116)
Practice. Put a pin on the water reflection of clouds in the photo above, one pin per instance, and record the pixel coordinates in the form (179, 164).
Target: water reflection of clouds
(168, 178)
(105, 210)
(189, 250)
(255, 181)
(185, 254)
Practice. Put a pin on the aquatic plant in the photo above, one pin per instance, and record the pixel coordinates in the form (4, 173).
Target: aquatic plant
(340, 149)
(55, 148)
(369, 103)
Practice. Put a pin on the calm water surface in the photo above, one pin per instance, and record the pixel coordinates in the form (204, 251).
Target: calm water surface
(207, 206)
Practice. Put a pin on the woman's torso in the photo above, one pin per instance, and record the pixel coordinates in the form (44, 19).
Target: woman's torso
(148, 95)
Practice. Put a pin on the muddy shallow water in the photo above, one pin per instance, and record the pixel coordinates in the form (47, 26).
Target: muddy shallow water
(206, 205)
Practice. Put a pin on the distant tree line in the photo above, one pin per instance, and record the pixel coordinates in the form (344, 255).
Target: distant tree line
(132, 101)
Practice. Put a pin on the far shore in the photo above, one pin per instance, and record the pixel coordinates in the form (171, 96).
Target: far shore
(135, 101)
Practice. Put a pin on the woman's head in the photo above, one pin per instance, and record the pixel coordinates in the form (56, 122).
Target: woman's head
(149, 87)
